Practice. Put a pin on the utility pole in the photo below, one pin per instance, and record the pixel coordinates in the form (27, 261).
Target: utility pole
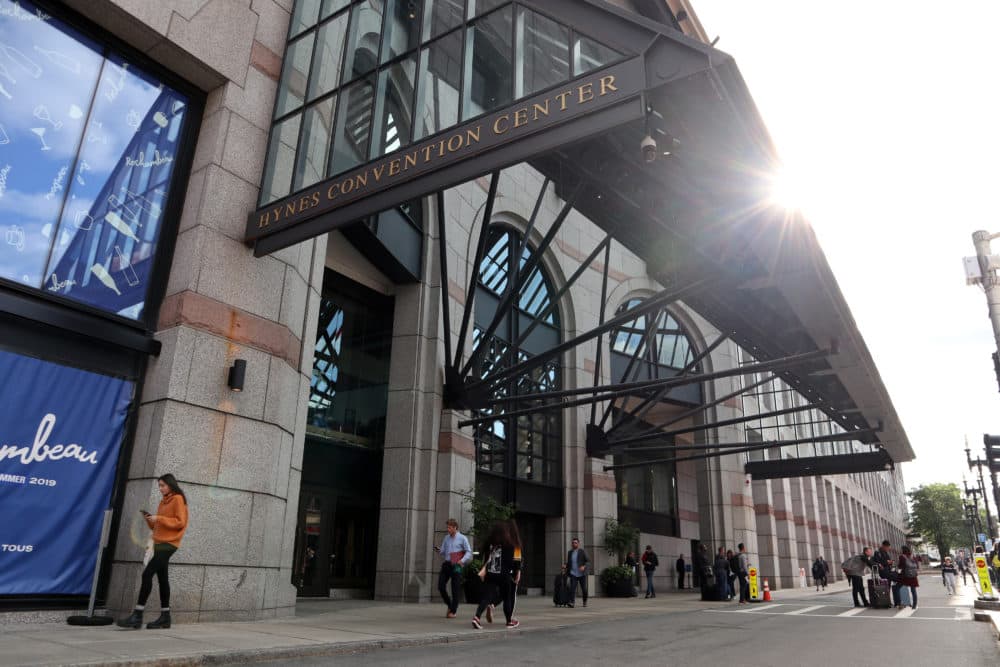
(974, 492)
(979, 463)
(982, 270)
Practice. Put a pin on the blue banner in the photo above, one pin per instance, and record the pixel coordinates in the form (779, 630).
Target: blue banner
(60, 433)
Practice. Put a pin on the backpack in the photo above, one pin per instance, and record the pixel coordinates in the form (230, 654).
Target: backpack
(734, 564)
(910, 568)
(818, 570)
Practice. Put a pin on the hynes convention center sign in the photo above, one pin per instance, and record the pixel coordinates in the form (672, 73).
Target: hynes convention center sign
(584, 106)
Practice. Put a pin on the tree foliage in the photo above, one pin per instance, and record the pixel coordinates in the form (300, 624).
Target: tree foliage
(938, 515)
(486, 510)
(619, 537)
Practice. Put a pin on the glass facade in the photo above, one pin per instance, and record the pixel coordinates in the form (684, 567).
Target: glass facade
(362, 78)
(350, 380)
(650, 488)
(528, 447)
(88, 147)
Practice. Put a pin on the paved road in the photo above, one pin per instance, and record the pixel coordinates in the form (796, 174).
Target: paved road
(815, 631)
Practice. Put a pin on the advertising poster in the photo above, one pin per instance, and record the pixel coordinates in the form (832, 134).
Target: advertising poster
(60, 433)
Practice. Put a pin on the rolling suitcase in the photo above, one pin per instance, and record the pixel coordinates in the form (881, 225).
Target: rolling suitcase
(560, 591)
(878, 594)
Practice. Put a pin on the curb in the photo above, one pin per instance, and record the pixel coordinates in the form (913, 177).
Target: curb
(247, 656)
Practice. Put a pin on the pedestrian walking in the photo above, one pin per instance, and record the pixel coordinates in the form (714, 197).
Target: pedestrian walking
(649, 565)
(501, 572)
(633, 565)
(744, 574)
(576, 565)
(909, 571)
(819, 573)
(948, 575)
(681, 568)
(455, 553)
(168, 526)
(963, 566)
(855, 569)
(721, 572)
(882, 560)
(734, 568)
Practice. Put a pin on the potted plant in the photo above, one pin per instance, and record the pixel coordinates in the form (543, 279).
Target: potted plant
(617, 581)
(619, 537)
(486, 511)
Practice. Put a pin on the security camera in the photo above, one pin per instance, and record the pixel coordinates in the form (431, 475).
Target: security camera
(648, 146)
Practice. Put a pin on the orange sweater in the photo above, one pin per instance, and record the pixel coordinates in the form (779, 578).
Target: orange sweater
(172, 522)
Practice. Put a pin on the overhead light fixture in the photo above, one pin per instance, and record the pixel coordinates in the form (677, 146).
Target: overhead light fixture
(237, 374)
(411, 10)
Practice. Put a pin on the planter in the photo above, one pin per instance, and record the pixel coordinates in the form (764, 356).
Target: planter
(473, 588)
(621, 588)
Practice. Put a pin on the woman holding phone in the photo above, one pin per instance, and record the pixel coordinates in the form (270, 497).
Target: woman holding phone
(168, 526)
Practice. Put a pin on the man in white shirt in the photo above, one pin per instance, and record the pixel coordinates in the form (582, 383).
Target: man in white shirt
(455, 554)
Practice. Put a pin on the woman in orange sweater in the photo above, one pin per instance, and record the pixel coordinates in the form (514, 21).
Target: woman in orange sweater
(168, 525)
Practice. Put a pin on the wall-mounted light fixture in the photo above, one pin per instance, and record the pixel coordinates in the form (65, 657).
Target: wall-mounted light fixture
(237, 373)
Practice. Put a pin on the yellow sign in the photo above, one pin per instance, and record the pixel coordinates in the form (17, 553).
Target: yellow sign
(984, 576)
(753, 583)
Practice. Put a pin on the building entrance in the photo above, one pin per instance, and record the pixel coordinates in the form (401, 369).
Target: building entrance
(342, 461)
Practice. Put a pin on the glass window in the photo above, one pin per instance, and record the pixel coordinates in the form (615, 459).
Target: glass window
(589, 55)
(394, 107)
(329, 53)
(402, 28)
(490, 63)
(442, 16)
(280, 161)
(440, 81)
(295, 75)
(330, 7)
(363, 40)
(315, 138)
(354, 120)
(350, 379)
(544, 58)
(304, 16)
(88, 144)
(527, 447)
(478, 7)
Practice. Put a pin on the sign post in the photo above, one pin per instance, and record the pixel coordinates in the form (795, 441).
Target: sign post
(752, 575)
(983, 572)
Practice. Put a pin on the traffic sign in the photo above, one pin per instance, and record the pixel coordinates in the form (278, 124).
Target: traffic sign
(984, 576)
(753, 583)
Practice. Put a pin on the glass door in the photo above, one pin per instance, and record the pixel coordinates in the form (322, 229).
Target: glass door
(313, 548)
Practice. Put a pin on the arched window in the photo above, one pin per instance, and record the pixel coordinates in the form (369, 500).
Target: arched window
(526, 447)
(647, 494)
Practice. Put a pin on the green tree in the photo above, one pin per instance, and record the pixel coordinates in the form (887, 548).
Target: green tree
(619, 537)
(938, 515)
(486, 510)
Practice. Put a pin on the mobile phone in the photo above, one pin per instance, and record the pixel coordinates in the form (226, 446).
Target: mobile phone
(144, 513)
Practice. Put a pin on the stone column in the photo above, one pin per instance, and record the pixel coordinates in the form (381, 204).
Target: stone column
(788, 550)
(237, 455)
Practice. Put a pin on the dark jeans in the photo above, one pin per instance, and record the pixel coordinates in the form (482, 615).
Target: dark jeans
(158, 566)
(649, 583)
(732, 586)
(573, 581)
(680, 580)
(744, 588)
(502, 587)
(896, 596)
(449, 573)
(858, 587)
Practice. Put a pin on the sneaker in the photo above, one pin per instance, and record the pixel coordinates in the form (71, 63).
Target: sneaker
(585, 602)
(476, 624)
(450, 614)
(489, 614)
(513, 623)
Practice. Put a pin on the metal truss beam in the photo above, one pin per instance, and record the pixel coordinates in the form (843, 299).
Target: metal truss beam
(839, 464)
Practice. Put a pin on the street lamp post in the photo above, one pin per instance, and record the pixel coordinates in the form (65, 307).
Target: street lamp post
(974, 492)
(979, 463)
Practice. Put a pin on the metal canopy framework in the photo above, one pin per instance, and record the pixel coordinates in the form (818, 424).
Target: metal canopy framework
(694, 216)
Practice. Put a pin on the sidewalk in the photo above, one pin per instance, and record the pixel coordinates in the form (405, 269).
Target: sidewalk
(320, 628)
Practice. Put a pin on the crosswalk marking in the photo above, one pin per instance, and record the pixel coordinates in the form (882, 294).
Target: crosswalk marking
(753, 609)
(852, 612)
(806, 610)
(906, 612)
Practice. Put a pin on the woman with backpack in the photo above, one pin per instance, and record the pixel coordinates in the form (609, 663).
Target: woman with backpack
(908, 573)
(501, 572)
